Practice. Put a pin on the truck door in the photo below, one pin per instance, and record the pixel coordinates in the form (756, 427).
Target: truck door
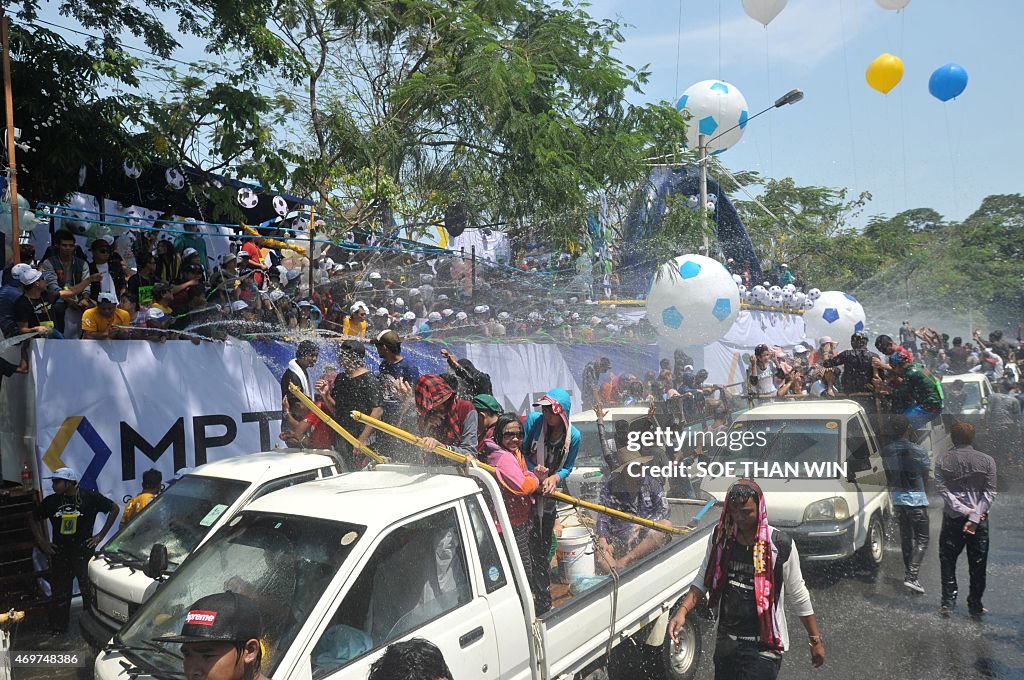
(417, 583)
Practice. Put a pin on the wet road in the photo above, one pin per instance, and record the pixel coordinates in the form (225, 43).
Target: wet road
(873, 627)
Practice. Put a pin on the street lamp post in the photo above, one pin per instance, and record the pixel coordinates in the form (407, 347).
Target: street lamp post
(791, 97)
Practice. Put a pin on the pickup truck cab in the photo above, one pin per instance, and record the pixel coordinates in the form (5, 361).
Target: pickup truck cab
(831, 517)
(974, 404)
(343, 567)
(182, 518)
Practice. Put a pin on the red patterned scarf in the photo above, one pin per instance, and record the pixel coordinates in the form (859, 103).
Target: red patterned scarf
(432, 392)
(717, 574)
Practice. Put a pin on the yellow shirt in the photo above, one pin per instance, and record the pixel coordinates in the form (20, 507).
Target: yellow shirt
(350, 328)
(94, 322)
(162, 308)
(136, 505)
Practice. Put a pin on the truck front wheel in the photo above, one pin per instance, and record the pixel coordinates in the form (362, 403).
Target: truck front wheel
(680, 662)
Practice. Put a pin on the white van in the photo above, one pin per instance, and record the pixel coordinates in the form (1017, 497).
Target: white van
(832, 518)
(123, 574)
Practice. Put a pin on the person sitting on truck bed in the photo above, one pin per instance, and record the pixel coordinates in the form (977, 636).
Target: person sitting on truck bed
(749, 569)
(444, 418)
(629, 489)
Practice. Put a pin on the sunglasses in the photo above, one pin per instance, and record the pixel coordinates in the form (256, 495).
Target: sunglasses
(518, 434)
(741, 494)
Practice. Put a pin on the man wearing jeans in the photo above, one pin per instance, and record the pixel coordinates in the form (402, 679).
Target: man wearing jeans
(906, 467)
(966, 479)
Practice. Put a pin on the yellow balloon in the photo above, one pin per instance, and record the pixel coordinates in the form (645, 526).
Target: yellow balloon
(885, 73)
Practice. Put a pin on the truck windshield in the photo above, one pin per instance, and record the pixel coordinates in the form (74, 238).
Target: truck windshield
(179, 518)
(282, 562)
(783, 441)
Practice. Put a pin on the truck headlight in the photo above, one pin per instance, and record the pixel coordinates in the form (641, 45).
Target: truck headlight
(834, 509)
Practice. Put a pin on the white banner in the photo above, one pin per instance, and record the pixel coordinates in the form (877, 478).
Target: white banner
(521, 373)
(754, 327)
(114, 409)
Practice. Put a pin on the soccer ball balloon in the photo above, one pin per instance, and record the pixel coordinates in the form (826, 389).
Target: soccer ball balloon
(714, 106)
(835, 314)
(813, 294)
(247, 198)
(693, 300)
(280, 206)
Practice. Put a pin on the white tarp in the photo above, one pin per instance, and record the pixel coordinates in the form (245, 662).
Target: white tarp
(114, 409)
(724, 360)
(521, 373)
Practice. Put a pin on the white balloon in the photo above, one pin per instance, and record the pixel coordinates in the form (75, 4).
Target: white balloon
(714, 107)
(835, 314)
(693, 201)
(280, 206)
(693, 300)
(894, 5)
(710, 206)
(763, 11)
(737, 278)
(813, 294)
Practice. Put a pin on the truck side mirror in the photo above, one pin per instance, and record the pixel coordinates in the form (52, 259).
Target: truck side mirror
(156, 565)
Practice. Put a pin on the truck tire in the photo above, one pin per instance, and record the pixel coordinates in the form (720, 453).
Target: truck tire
(681, 663)
(872, 552)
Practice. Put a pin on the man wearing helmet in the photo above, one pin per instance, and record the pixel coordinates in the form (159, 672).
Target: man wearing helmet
(919, 389)
(858, 372)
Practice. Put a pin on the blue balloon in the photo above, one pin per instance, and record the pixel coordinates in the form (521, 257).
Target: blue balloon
(947, 82)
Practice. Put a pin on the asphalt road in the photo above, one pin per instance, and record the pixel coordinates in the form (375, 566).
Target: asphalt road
(873, 627)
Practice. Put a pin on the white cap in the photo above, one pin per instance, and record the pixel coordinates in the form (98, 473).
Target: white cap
(409, 316)
(784, 265)
(426, 278)
(442, 297)
(461, 316)
(29, 276)
(188, 252)
(276, 294)
(107, 296)
(447, 312)
(414, 291)
(503, 315)
(17, 269)
(155, 314)
(357, 306)
(374, 276)
(65, 473)
(239, 305)
(293, 274)
(434, 316)
(399, 302)
(479, 309)
(800, 349)
(382, 311)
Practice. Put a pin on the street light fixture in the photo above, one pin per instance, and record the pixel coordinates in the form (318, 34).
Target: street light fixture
(791, 97)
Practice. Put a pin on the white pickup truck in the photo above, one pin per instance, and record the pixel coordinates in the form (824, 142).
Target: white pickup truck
(180, 519)
(343, 567)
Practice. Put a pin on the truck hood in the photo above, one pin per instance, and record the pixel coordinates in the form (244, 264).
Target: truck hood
(787, 500)
(118, 588)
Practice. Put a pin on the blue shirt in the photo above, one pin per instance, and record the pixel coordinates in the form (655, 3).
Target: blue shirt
(906, 465)
(8, 295)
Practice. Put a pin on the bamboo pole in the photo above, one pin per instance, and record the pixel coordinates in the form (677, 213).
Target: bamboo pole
(444, 452)
(333, 424)
(11, 141)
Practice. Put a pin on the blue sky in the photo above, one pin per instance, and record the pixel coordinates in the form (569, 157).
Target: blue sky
(901, 147)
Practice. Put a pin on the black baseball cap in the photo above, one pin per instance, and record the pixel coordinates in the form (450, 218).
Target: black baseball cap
(223, 617)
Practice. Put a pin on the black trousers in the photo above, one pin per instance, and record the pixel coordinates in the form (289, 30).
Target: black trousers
(913, 523)
(952, 541)
(69, 563)
(742, 659)
(540, 567)
(522, 532)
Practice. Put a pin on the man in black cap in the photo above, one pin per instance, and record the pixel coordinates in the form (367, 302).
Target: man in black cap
(220, 639)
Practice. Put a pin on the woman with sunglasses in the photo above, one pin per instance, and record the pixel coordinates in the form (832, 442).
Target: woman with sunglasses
(518, 484)
(749, 569)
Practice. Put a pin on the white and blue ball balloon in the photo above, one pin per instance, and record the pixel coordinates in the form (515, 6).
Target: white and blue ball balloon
(835, 314)
(714, 106)
(693, 300)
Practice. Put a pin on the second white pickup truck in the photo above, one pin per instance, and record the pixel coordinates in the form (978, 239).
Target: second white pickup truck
(343, 567)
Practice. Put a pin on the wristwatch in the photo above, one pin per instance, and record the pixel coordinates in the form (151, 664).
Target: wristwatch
(814, 640)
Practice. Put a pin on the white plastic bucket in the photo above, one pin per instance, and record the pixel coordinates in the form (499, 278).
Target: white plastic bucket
(575, 554)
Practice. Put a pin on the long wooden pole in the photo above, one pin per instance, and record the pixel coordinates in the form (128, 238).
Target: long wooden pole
(445, 452)
(13, 167)
(334, 425)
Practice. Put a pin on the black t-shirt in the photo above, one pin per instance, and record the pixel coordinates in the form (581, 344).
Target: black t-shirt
(958, 359)
(738, 610)
(72, 517)
(362, 393)
(32, 312)
(857, 370)
(140, 290)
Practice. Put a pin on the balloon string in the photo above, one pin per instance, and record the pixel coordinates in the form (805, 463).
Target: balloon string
(719, 39)
(903, 125)
(952, 160)
(849, 95)
(768, 71)
(679, 47)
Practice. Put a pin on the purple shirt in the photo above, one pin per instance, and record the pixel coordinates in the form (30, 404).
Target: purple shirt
(966, 479)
